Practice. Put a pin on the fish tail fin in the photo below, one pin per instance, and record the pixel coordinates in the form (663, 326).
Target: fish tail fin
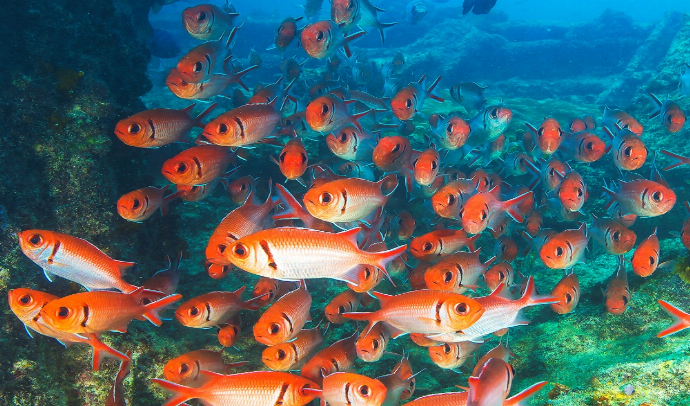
(530, 297)
(292, 207)
(529, 245)
(350, 38)
(518, 399)
(180, 393)
(431, 88)
(369, 317)
(358, 116)
(203, 114)
(125, 267)
(101, 350)
(384, 180)
(152, 309)
(657, 105)
(610, 195)
(678, 160)
(237, 77)
(381, 28)
(471, 241)
(512, 209)
(169, 198)
(125, 367)
(682, 319)
(382, 258)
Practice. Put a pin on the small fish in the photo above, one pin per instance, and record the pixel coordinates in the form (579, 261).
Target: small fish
(422, 311)
(270, 290)
(199, 63)
(239, 189)
(628, 149)
(457, 272)
(572, 191)
(617, 295)
(437, 244)
(229, 333)
(492, 385)
(197, 193)
(392, 153)
(293, 159)
(207, 21)
(291, 69)
(365, 278)
(534, 223)
(74, 259)
(249, 389)
(286, 32)
(669, 113)
(567, 290)
(483, 208)
(157, 127)
(284, 319)
(682, 319)
(164, 281)
(582, 147)
(505, 249)
(410, 99)
(415, 12)
(348, 389)
(337, 357)
(312, 7)
(198, 165)
(371, 346)
(452, 131)
(244, 125)
(403, 225)
(116, 396)
(361, 13)
(404, 370)
(347, 301)
(453, 355)
(501, 272)
(644, 198)
(565, 249)
(489, 124)
(138, 205)
(292, 355)
(98, 312)
(212, 309)
(328, 113)
(426, 166)
(323, 38)
(186, 369)
(351, 143)
(548, 136)
(577, 125)
(621, 120)
(477, 6)
(468, 94)
(645, 259)
(450, 199)
(357, 170)
(218, 84)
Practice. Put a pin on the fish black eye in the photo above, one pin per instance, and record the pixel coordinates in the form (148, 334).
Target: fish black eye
(222, 128)
(375, 344)
(197, 67)
(552, 172)
(408, 103)
(304, 157)
(240, 250)
(652, 261)
(669, 118)
(136, 203)
(63, 312)
(281, 355)
(193, 311)
(184, 368)
(559, 251)
(134, 128)
(243, 187)
(494, 113)
(274, 329)
(448, 276)
(504, 248)
(560, 132)
(427, 246)
(26, 299)
(446, 348)
(449, 129)
(202, 16)
(282, 157)
(568, 298)
(484, 215)
(221, 248)
(325, 198)
(657, 196)
(627, 151)
(396, 148)
(451, 200)
(319, 36)
(367, 273)
(341, 309)
(181, 167)
(616, 236)
(625, 300)
(324, 109)
(36, 239)
(434, 165)
(590, 146)
(579, 192)
(540, 132)
(462, 308)
(343, 137)
(501, 275)
(364, 390)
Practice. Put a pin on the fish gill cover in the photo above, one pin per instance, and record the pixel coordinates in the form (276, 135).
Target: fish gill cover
(481, 201)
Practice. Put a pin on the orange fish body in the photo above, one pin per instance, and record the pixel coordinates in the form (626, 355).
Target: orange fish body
(293, 159)
(351, 143)
(198, 165)
(641, 197)
(565, 249)
(26, 304)
(346, 200)
(337, 357)
(392, 153)
(482, 208)
(410, 99)
(628, 149)
(456, 273)
(244, 125)
(371, 346)
(576, 125)
(270, 290)
(348, 389)
(229, 333)
(207, 21)
(572, 192)
(292, 355)
(567, 290)
(328, 113)
(184, 370)
(157, 127)
(286, 33)
(617, 295)
(452, 355)
(425, 168)
(582, 146)
(669, 113)
(502, 272)
(612, 236)
(74, 259)
(452, 131)
(258, 388)
(437, 244)
(141, 204)
(645, 259)
(201, 61)
(211, 309)
(450, 199)
(285, 318)
(294, 210)
(548, 136)
(345, 302)
(98, 312)
(323, 38)
(618, 118)
(367, 277)
(216, 85)
(492, 385)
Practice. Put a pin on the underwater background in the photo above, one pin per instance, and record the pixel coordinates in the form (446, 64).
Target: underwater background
(72, 69)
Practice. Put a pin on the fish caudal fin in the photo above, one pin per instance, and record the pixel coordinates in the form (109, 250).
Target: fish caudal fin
(381, 259)
(430, 90)
(657, 106)
(471, 241)
(381, 27)
(511, 206)
(682, 319)
(237, 77)
(101, 350)
(152, 309)
(203, 114)
(351, 38)
(610, 195)
(125, 366)
(678, 160)
(180, 393)
(530, 297)
(169, 198)
(519, 398)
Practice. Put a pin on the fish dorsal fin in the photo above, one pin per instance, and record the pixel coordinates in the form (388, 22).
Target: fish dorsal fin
(351, 235)
(124, 267)
(382, 298)
(240, 290)
(501, 291)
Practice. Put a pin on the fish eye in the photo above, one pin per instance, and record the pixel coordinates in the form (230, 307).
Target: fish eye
(367, 273)
(627, 151)
(616, 235)
(434, 165)
(274, 329)
(484, 215)
(501, 275)
(559, 251)
(197, 67)
(451, 200)
(304, 157)
(282, 157)
(568, 297)
(319, 36)
(281, 355)
(136, 203)
(222, 128)
(590, 146)
(341, 309)
(408, 103)
(657, 196)
(396, 148)
(560, 132)
(446, 348)
(325, 198)
(551, 172)
(462, 308)
(579, 192)
(364, 390)
(240, 251)
(375, 344)
(625, 300)
(449, 129)
(414, 164)
(324, 108)
(243, 187)
(221, 248)
(63, 312)
(652, 260)
(448, 276)
(669, 118)
(540, 132)
(184, 368)
(26, 299)
(134, 128)
(504, 248)
(427, 246)
(36, 239)
(494, 113)
(193, 311)
(343, 137)
(181, 167)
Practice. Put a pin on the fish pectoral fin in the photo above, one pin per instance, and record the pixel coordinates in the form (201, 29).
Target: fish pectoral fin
(28, 331)
(47, 274)
(394, 331)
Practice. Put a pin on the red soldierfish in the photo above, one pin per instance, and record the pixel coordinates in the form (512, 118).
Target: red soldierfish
(460, 398)
(347, 301)
(323, 38)
(74, 259)
(501, 272)
(348, 389)
(617, 294)
(351, 143)
(294, 210)
(612, 236)
(198, 165)
(645, 259)
(492, 386)
(453, 355)
(567, 290)
(286, 32)
(141, 204)
(361, 13)
(410, 99)
(392, 153)
(292, 355)
(200, 62)
(669, 113)
(628, 149)
(483, 208)
(572, 191)
(328, 113)
(216, 85)
(437, 244)
(337, 357)
(644, 198)
(456, 273)
(371, 346)
(186, 368)
(452, 131)
(207, 21)
(212, 309)
(582, 147)
(682, 319)
(565, 249)
(293, 160)
(548, 136)
(426, 166)
(450, 199)
(245, 125)
(284, 319)
(619, 119)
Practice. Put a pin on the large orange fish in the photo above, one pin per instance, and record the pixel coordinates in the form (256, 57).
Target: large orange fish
(116, 396)
(641, 197)
(422, 311)
(337, 357)
(258, 388)
(74, 259)
(452, 355)
(392, 153)
(617, 295)
(98, 312)
(346, 200)
(452, 131)
(371, 346)
(285, 318)
(682, 319)
(323, 38)
(328, 113)
(348, 389)
(290, 253)
(244, 125)
(186, 368)
(292, 355)
(198, 165)
(437, 244)
(612, 236)
(157, 127)
(567, 290)
(565, 249)
(548, 136)
(26, 304)
(483, 208)
(457, 272)
(212, 309)
(628, 149)
(201, 61)
(207, 21)
(449, 200)
(410, 99)
(141, 204)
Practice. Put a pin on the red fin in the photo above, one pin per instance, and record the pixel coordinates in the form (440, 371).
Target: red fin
(351, 235)
(125, 366)
(530, 298)
(511, 207)
(382, 298)
(524, 395)
(430, 89)
(151, 310)
(358, 116)
(169, 198)
(100, 350)
(470, 243)
(203, 114)
(180, 393)
(678, 160)
(502, 291)
(124, 266)
(682, 320)
(384, 257)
